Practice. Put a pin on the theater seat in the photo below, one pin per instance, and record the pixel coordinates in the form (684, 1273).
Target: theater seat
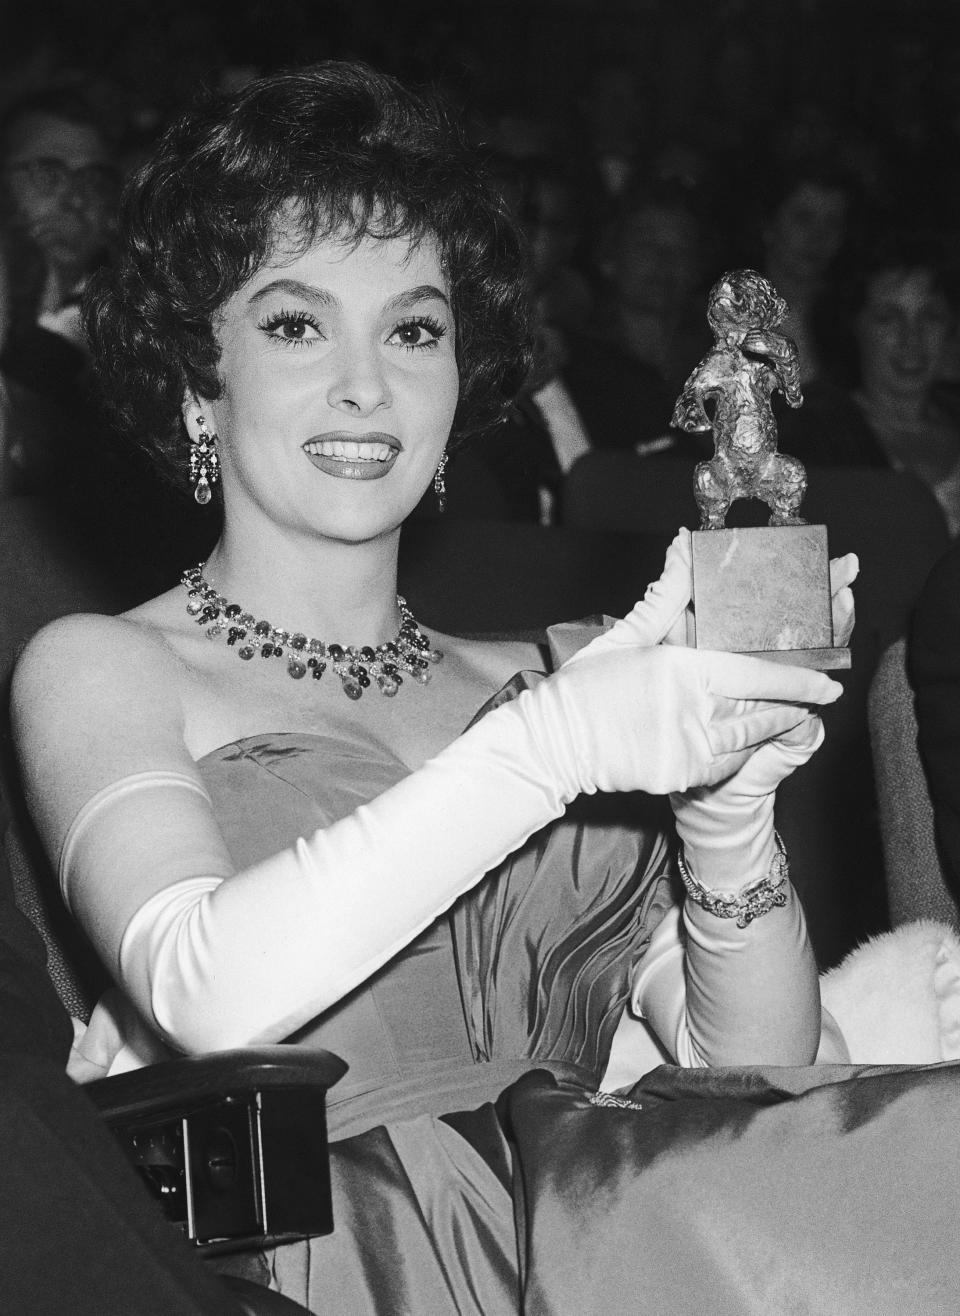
(914, 874)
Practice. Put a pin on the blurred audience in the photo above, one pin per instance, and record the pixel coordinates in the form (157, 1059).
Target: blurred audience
(804, 215)
(645, 154)
(655, 260)
(588, 389)
(59, 189)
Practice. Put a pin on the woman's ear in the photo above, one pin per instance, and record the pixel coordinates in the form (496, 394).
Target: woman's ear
(190, 410)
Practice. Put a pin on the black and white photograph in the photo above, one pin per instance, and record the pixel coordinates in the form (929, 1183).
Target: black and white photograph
(480, 642)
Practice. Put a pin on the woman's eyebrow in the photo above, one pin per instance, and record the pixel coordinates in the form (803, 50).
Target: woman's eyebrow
(295, 288)
(322, 297)
(423, 292)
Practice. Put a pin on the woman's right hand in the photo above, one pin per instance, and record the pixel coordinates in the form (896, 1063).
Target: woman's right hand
(664, 719)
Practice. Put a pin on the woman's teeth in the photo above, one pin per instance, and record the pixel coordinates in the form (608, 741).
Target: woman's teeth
(351, 452)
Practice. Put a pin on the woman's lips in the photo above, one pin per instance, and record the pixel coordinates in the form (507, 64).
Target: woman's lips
(353, 457)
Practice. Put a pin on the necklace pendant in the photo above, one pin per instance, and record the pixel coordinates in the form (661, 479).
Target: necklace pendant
(351, 686)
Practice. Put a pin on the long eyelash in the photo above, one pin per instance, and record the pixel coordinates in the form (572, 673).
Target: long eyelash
(273, 322)
(427, 322)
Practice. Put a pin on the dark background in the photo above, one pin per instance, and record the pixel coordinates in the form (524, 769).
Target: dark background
(886, 67)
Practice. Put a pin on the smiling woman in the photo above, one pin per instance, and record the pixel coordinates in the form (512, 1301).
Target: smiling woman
(341, 356)
(367, 849)
(901, 309)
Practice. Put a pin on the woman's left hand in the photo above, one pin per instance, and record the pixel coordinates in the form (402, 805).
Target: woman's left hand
(728, 829)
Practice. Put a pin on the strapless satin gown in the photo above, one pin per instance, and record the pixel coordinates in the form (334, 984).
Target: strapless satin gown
(473, 1171)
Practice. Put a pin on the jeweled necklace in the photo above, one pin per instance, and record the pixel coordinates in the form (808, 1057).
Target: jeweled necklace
(408, 654)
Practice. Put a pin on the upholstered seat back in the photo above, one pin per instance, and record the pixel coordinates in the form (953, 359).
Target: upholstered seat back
(914, 876)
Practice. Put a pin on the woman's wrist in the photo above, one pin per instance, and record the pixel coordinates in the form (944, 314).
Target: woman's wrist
(749, 902)
(727, 849)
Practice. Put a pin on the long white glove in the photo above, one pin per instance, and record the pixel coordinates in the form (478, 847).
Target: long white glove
(217, 963)
(715, 993)
(718, 993)
(727, 831)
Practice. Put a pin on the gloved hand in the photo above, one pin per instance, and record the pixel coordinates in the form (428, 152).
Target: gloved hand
(661, 616)
(727, 831)
(718, 993)
(661, 719)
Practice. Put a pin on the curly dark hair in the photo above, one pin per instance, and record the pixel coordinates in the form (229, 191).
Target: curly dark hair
(339, 148)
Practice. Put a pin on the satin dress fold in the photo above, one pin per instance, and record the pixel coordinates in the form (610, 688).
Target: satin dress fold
(475, 1170)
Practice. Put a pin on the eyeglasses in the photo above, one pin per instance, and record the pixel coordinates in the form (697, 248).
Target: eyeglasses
(48, 177)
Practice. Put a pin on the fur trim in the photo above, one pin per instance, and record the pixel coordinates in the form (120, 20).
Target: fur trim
(896, 998)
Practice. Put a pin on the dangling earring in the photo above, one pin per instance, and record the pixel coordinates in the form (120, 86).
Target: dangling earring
(439, 484)
(204, 463)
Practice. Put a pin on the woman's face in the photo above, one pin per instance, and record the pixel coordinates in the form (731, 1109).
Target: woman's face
(902, 331)
(340, 386)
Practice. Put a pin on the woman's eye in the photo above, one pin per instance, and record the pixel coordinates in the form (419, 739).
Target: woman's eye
(292, 329)
(424, 331)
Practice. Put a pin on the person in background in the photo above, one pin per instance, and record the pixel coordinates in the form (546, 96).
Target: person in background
(33, 430)
(903, 315)
(58, 192)
(893, 320)
(59, 184)
(804, 217)
(655, 260)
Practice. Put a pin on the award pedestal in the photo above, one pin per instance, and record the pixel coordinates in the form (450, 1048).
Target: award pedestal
(766, 591)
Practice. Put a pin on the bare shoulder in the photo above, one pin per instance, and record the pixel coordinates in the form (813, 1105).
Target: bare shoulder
(89, 647)
(90, 665)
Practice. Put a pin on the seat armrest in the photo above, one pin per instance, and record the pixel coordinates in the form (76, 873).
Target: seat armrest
(180, 1083)
(232, 1145)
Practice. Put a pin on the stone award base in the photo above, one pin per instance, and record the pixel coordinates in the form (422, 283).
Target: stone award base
(765, 590)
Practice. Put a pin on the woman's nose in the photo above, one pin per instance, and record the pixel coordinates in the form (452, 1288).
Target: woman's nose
(911, 335)
(360, 382)
(74, 196)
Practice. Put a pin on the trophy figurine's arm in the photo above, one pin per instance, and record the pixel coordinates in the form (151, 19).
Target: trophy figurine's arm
(689, 413)
(785, 360)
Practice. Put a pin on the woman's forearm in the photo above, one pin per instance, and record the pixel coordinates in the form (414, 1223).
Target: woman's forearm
(716, 993)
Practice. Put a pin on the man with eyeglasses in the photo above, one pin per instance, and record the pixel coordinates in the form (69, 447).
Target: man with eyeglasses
(60, 188)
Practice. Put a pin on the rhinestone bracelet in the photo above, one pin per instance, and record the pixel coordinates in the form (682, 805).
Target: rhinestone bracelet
(752, 902)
